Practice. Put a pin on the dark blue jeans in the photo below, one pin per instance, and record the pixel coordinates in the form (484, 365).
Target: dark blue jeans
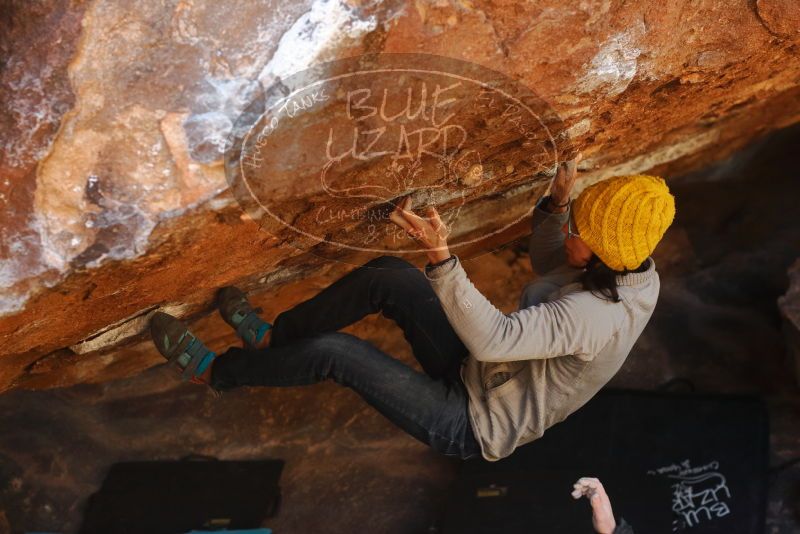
(306, 348)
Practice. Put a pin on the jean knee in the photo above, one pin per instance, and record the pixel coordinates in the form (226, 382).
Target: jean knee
(394, 274)
(338, 343)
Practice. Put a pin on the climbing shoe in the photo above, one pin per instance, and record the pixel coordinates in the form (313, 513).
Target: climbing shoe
(241, 316)
(179, 346)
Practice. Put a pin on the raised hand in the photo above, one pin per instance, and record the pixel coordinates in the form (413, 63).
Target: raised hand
(564, 180)
(602, 514)
(430, 232)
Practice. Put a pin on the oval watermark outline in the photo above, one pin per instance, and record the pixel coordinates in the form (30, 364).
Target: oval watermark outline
(550, 136)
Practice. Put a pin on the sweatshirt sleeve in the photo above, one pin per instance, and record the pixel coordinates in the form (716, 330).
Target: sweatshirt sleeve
(546, 244)
(575, 324)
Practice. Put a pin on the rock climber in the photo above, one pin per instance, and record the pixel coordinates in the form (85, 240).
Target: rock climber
(492, 381)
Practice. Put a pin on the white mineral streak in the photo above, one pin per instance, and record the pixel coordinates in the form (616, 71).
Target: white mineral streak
(314, 37)
(579, 128)
(328, 25)
(125, 329)
(65, 225)
(615, 64)
(33, 110)
(12, 269)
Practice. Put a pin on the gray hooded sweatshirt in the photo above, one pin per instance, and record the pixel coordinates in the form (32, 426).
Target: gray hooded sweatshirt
(530, 369)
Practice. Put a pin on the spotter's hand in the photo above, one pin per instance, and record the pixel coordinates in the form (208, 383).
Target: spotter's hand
(602, 514)
(429, 231)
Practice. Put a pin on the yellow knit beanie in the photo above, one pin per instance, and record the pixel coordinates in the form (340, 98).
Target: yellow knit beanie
(622, 219)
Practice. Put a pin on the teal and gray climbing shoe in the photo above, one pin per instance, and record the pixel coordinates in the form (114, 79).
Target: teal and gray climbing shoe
(241, 316)
(179, 346)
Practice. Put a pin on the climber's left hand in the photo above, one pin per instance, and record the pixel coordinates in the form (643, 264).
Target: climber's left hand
(429, 231)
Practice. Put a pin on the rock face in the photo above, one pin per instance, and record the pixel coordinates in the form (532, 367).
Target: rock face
(116, 115)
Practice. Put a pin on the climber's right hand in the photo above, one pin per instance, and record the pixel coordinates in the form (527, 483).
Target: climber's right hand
(564, 180)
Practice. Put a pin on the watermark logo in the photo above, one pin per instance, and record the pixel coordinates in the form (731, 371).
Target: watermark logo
(322, 158)
(700, 494)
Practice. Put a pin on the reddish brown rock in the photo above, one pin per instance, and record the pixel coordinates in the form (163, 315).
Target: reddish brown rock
(115, 115)
(781, 17)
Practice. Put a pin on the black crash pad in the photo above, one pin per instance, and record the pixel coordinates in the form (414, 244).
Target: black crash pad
(670, 463)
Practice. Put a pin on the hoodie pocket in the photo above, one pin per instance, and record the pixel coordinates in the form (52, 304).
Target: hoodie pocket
(502, 377)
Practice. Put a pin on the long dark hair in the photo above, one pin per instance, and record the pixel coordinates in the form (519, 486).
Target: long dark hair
(600, 277)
